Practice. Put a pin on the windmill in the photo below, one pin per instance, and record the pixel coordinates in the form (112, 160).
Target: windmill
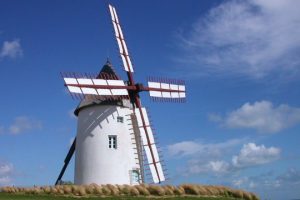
(114, 142)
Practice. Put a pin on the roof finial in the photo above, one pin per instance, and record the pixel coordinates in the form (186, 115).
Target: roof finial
(108, 61)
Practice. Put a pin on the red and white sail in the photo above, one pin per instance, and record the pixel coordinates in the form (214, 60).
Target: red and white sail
(103, 87)
(149, 145)
(120, 40)
(166, 90)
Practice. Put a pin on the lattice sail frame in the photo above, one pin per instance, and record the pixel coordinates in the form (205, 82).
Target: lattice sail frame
(149, 145)
(120, 40)
(88, 86)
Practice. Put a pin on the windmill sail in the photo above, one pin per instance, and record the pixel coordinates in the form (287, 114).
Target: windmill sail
(166, 90)
(120, 40)
(149, 145)
(96, 86)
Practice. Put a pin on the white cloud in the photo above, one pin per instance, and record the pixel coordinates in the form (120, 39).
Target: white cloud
(184, 148)
(251, 38)
(6, 170)
(189, 148)
(214, 158)
(213, 166)
(262, 116)
(11, 49)
(23, 124)
(252, 155)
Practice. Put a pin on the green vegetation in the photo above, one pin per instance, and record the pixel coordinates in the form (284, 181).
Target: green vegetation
(137, 192)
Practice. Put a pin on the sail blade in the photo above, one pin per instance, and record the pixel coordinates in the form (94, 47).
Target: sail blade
(100, 87)
(166, 90)
(149, 145)
(120, 40)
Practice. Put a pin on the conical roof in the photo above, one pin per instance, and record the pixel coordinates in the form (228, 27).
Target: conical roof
(107, 72)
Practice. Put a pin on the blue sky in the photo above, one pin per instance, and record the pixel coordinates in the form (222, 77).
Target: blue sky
(240, 59)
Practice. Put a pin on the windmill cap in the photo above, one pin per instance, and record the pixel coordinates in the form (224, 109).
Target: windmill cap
(108, 71)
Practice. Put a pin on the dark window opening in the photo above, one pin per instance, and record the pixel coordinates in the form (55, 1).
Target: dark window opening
(112, 141)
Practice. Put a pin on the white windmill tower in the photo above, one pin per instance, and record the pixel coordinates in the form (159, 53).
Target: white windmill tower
(114, 134)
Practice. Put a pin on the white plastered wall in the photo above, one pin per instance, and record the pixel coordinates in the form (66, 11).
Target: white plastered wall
(95, 162)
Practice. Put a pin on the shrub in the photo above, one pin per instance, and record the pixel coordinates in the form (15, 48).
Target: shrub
(98, 190)
(190, 189)
(179, 190)
(81, 190)
(53, 190)
(156, 190)
(213, 191)
(67, 189)
(237, 194)
(136, 190)
(247, 196)
(168, 190)
(133, 191)
(47, 189)
(75, 189)
(105, 190)
(90, 189)
(36, 190)
(142, 190)
(253, 196)
(5, 189)
(202, 190)
(124, 189)
(114, 190)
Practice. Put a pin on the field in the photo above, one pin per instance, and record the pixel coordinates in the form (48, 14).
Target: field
(7, 196)
(137, 192)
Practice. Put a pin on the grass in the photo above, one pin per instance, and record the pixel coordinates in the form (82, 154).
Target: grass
(8, 196)
(143, 191)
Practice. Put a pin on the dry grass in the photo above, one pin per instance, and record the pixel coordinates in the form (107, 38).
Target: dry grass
(142, 190)
(137, 190)
(155, 190)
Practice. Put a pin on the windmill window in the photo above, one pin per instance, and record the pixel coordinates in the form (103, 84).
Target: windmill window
(112, 141)
(120, 119)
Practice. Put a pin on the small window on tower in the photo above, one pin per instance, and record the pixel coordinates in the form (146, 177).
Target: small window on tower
(112, 141)
(120, 119)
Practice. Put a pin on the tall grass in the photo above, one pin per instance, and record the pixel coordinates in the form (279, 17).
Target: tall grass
(136, 190)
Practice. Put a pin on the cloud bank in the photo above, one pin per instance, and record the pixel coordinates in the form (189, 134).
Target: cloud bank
(211, 158)
(262, 116)
(252, 38)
